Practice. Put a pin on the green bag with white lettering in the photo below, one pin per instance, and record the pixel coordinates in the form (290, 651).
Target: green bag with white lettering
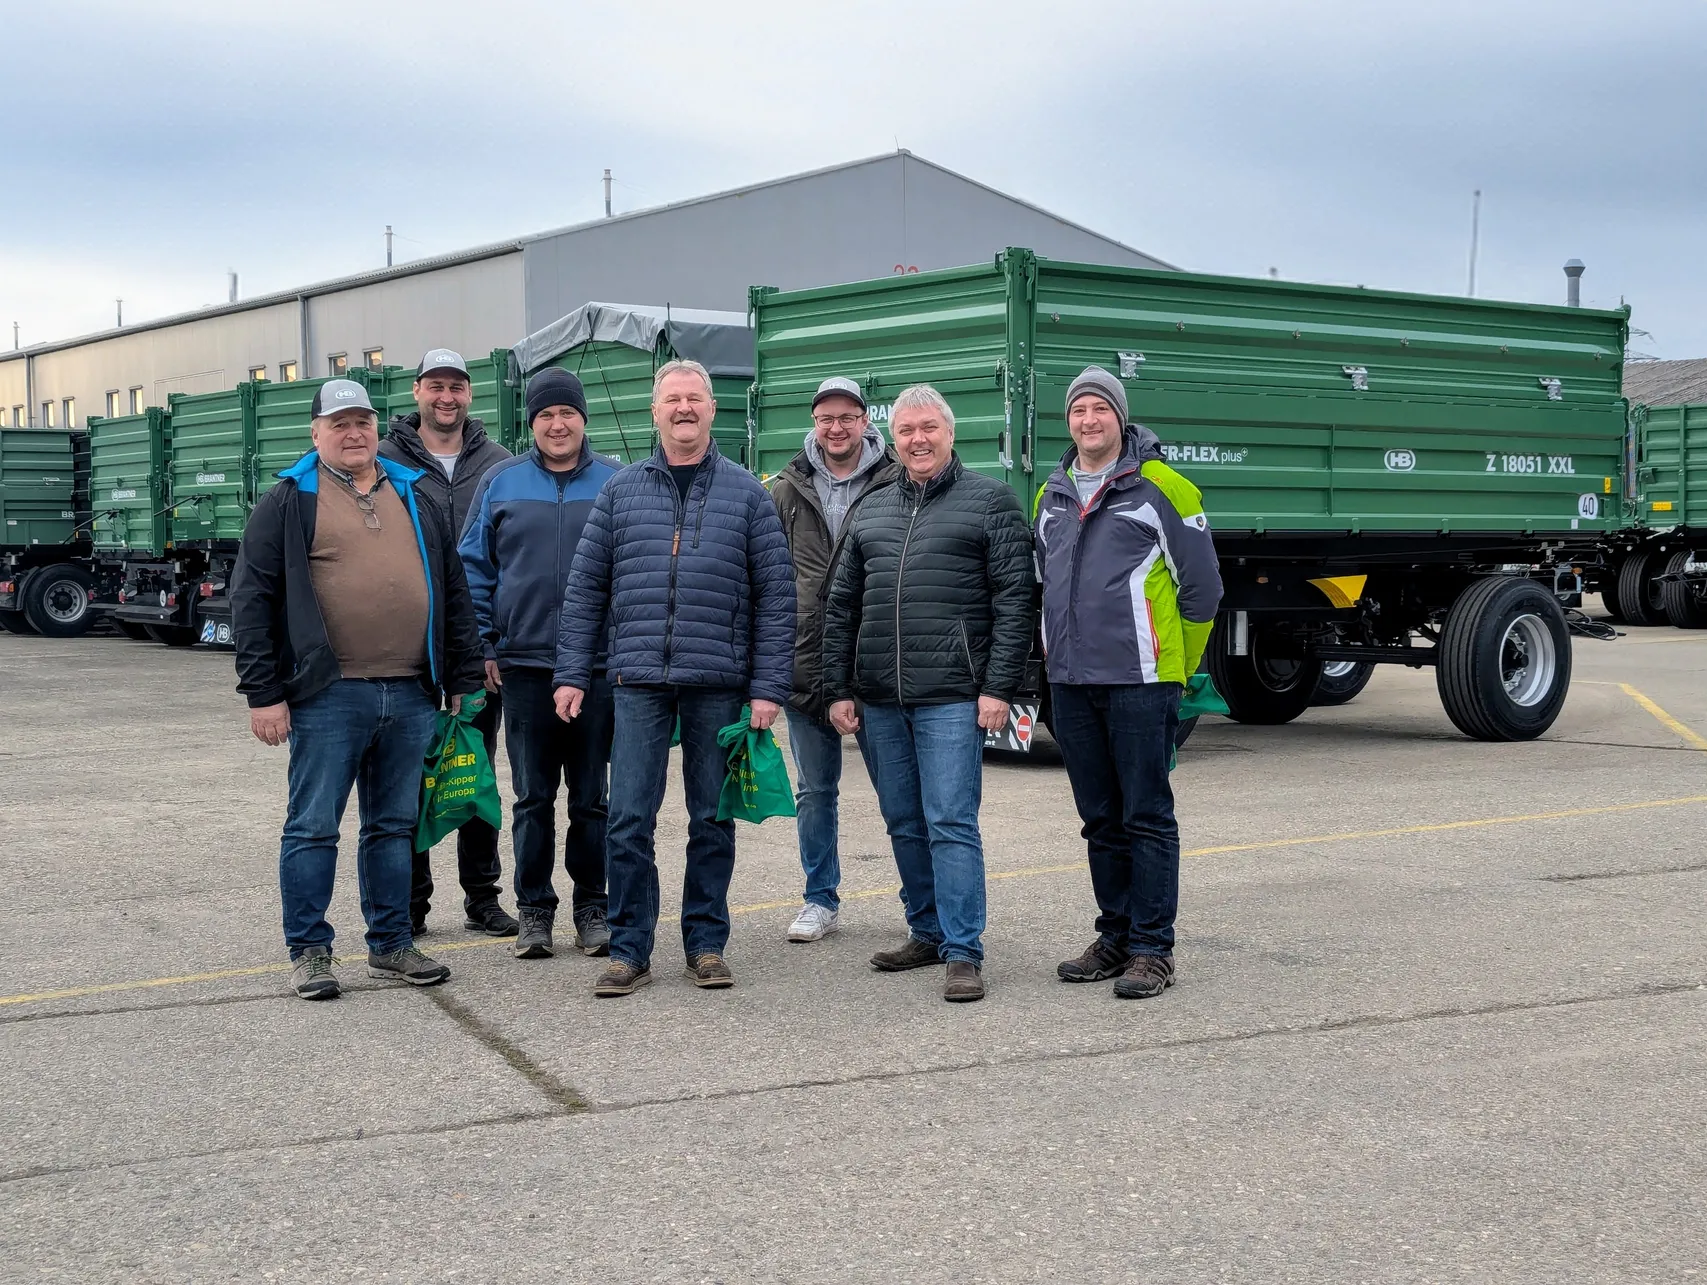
(457, 781)
(757, 784)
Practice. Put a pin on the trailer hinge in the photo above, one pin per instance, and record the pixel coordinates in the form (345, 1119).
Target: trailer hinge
(1359, 377)
(1555, 387)
(1129, 363)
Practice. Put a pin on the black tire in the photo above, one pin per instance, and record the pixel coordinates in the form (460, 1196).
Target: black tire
(15, 622)
(172, 635)
(1641, 599)
(1608, 589)
(56, 600)
(1684, 607)
(1504, 660)
(133, 630)
(1342, 682)
(1259, 688)
(1183, 731)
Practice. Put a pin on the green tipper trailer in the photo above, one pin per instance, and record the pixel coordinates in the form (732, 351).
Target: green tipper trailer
(1656, 570)
(615, 349)
(48, 582)
(1372, 462)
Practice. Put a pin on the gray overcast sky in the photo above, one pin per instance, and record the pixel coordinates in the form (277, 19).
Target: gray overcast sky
(153, 146)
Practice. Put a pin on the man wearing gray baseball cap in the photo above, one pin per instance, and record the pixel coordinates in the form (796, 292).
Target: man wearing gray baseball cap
(844, 459)
(453, 453)
(351, 620)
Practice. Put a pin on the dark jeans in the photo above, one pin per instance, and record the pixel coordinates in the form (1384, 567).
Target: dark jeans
(927, 763)
(545, 752)
(476, 842)
(1116, 743)
(640, 760)
(371, 733)
(817, 749)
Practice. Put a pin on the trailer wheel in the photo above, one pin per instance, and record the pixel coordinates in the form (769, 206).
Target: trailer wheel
(1684, 607)
(1608, 589)
(1341, 681)
(1261, 688)
(1641, 599)
(1504, 663)
(56, 600)
(15, 622)
(1184, 729)
(172, 635)
(134, 631)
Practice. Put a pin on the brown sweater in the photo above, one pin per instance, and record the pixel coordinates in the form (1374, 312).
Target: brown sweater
(370, 584)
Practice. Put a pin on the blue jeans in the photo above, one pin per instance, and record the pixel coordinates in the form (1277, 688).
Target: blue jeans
(1116, 743)
(544, 751)
(927, 762)
(817, 750)
(639, 766)
(371, 733)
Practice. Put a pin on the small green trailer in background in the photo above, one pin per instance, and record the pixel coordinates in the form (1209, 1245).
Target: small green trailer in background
(49, 581)
(615, 349)
(1655, 570)
(1375, 465)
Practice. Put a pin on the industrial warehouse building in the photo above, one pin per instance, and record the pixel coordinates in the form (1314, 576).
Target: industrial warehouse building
(892, 213)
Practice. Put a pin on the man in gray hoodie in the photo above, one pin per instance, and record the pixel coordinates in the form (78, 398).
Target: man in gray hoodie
(843, 460)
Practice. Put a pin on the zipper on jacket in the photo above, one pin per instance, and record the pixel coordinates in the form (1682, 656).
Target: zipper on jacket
(966, 646)
(675, 554)
(900, 571)
(1079, 545)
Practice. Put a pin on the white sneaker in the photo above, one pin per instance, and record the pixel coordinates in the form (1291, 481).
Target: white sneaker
(812, 923)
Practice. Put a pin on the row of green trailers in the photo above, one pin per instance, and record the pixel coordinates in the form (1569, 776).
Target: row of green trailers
(1391, 478)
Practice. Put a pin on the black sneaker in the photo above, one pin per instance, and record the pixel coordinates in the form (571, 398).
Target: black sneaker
(1146, 977)
(592, 934)
(491, 919)
(418, 927)
(407, 965)
(915, 954)
(533, 938)
(311, 977)
(1099, 962)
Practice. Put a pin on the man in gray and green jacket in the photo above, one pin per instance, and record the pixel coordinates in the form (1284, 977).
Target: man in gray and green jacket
(1130, 588)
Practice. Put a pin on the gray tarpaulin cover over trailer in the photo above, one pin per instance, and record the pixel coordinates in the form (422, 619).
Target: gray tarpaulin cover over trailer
(722, 342)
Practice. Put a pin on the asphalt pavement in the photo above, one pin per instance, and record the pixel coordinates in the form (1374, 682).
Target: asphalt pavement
(1441, 1016)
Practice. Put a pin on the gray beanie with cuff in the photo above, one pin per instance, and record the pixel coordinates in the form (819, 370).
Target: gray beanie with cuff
(1096, 380)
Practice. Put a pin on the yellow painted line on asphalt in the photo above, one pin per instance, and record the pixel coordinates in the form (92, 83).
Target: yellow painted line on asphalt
(860, 894)
(1682, 729)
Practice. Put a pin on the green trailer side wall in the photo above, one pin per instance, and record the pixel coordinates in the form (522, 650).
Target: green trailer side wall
(37, 487)
(1245, 382)
(129, 482)
(618, 383)
(282, 415)
(1671, 465)
(213, 463)
(496, 399)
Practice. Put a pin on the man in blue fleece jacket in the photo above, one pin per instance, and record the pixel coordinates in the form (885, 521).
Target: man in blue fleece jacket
(519, 544)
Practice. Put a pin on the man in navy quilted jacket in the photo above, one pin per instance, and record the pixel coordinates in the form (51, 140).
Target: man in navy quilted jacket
(684, 563)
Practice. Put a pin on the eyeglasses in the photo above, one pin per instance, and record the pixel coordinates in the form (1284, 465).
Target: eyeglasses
(833, 421)
(370, 515)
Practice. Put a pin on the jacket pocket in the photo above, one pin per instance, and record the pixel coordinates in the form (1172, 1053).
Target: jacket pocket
(966, 650)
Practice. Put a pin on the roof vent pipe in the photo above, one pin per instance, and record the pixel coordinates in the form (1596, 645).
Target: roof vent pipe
(607, 194)
(231, 273)
(1573, 283)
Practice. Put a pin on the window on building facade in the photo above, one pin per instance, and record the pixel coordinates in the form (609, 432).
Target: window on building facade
(47, 415)
(112, 403)
(287, 372)
(137, 402)
(258, 374)
(18, 418)
(71, 412)
(374, 358)
(338, 364)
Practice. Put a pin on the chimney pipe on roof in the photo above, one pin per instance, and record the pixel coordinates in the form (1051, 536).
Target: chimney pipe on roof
(232, 293)
(120, 303)
(1573, 283)
(388, 245)
(607, 194)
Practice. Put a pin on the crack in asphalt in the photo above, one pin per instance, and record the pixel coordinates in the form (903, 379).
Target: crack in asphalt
(1625, 874)
(567, 1102)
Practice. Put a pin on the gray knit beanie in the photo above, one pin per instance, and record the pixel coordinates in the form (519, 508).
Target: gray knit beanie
(1094, 379)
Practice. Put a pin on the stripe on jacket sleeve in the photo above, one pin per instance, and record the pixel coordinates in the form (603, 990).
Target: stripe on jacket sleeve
(1142, 624)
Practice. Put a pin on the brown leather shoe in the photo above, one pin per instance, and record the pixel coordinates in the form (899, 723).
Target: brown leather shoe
(709, 972)
(965, 983)
(621, 978)
(1146, 977)
(915, 954)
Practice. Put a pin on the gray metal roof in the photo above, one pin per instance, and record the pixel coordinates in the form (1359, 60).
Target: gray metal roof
(1666, 383)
